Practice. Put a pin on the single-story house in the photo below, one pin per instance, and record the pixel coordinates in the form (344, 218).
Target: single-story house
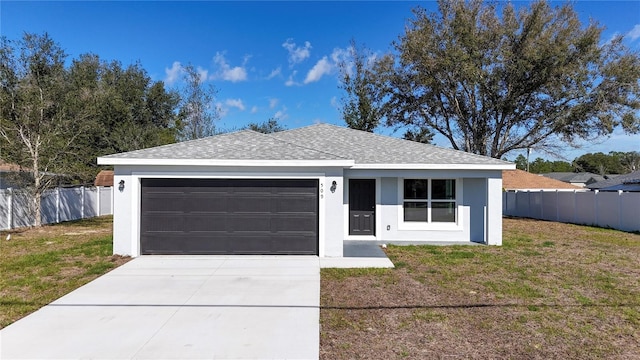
(520, 180)
(301, 191)
(627, 182)
(104, 178)
(582, 179)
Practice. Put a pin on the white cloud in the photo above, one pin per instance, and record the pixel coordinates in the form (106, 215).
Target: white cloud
(334, 102)
(297, 54)
(634, 34)
(290, 81)
(254, 109)
(204, 73)
(273, 102)
(221, 110)
(226, 72)
(236, 103)
(173, 73)
(322, 67)
(274, 73)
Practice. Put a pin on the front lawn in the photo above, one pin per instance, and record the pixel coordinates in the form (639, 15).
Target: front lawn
(40, 265)
(553, 291)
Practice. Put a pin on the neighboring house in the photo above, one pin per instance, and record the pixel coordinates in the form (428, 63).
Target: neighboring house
(626, 182)
(301, 191)
(104, 178)
(10, 175)
(581, 179)
(519, 180)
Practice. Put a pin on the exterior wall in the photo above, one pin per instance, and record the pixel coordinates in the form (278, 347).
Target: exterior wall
(479, 207)
(126, 221)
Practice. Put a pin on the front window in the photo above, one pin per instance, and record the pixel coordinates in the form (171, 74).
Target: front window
(430, 200)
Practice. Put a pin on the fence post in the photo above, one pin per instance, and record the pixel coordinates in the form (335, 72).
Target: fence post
(595, 207)
(57, 205)
(98, 200)
(82, 202)
(10, 208)
(620, 209)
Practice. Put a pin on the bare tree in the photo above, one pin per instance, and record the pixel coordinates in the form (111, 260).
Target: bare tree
(197, 111)
(35, 132)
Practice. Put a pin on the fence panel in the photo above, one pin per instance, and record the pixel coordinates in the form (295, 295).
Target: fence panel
(630, 211)
(585, 208)
(49, 204)
(5, 199)
(57, 205)
(90, 203)
(549, 205)
(606, 209)
(70, 204)
(566, 206)
(105, 200)
(22, 215)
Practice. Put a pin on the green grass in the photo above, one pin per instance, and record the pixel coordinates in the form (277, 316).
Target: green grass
(552, 291)
(41, 265)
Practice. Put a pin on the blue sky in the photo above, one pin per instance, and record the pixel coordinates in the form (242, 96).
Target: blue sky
(267, 59)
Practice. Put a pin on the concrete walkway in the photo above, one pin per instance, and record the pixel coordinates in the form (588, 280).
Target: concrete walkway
(172, 307)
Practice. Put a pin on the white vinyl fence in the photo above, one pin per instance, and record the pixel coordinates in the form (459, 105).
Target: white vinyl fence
(58, 205)
(616, 210)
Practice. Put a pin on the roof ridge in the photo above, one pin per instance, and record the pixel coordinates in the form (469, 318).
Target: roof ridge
(305, 147)
(387, 137)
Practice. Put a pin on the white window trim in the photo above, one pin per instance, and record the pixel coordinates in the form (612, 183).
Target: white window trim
(417, 225)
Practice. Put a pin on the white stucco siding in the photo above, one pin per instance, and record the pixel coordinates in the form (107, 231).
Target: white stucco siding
(494, 210)
(477, 215)
(126, 222)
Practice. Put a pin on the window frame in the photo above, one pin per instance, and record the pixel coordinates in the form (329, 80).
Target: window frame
(430, 224)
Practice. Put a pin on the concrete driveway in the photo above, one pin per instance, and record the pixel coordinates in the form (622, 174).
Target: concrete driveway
(181, 307)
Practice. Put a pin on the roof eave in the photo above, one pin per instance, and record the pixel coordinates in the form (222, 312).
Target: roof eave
(223, 162)
(436, 166)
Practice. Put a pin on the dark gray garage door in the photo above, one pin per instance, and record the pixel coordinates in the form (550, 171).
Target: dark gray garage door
(229, 216)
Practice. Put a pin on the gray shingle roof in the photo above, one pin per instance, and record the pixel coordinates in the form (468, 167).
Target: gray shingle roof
(369, 148)
(625, 179)
(315, 142)
(240, 145)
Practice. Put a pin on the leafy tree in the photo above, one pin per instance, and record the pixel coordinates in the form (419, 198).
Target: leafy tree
(421, 135)
(600, 163)
(35, 130)
(630, 161)
(126, 110)
(521, 162)
(267, 127)
(492, 83)
(197, 110)
(360, 110)
(55, 121)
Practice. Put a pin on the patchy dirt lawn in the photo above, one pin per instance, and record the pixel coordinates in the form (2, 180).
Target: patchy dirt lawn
(553, 291)
(40, 265)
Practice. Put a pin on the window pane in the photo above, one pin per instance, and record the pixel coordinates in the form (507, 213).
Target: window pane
(415, 211)
(443, 212)
(415, 188)
(443, 189)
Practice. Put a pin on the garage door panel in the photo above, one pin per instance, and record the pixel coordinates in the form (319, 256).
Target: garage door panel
(229, 216)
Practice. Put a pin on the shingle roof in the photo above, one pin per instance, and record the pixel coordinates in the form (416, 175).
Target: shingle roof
(240, 145)
(581, 177)
(314, 142)
(369, 148)
(104, 178)
(627, 179)
(521, 180)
